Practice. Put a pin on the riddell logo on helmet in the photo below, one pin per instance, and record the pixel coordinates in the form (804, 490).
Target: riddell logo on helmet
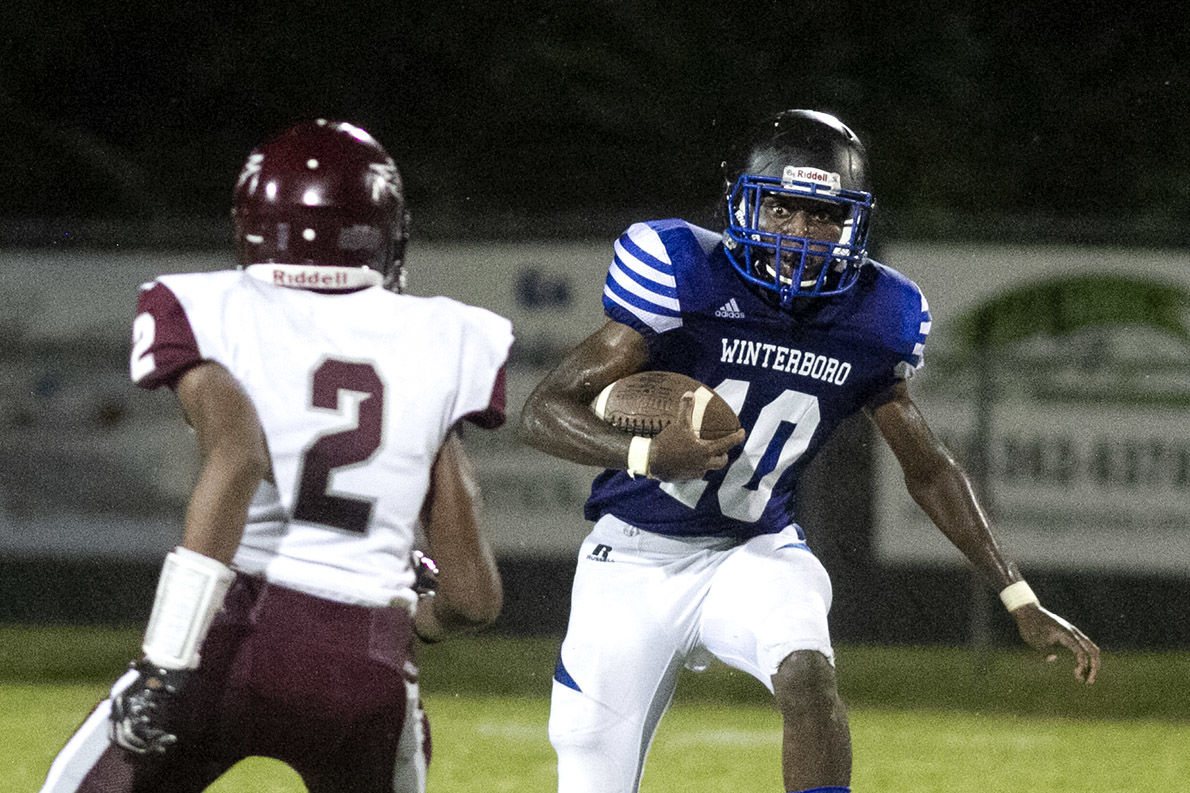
(795, 173)
(322, 278)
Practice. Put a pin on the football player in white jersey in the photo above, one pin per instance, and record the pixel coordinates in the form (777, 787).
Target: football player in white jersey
(326, 407)
(695, 552)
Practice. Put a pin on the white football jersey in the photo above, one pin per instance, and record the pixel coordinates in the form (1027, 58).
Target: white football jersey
(356, 392)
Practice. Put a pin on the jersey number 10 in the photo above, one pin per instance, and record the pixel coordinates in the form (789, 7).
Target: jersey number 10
(779, 436)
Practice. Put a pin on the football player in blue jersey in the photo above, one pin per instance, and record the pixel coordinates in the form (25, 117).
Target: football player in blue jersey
(694, 552)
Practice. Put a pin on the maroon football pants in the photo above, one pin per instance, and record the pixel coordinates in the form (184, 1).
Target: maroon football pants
(328, 688)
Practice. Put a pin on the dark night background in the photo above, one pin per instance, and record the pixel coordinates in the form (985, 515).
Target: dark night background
(1051, 121)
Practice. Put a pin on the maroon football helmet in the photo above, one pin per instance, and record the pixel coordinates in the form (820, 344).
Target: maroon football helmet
(325, 193)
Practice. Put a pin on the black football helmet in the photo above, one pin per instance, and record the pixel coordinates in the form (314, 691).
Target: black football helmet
(323, 193)
(806, 154)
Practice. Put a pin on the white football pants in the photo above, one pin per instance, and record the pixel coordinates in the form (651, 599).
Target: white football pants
(643, 605)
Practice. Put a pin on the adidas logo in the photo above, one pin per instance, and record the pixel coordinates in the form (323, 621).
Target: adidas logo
(730, 310)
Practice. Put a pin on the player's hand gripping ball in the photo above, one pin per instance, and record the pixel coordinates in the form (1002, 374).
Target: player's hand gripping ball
(645, 402)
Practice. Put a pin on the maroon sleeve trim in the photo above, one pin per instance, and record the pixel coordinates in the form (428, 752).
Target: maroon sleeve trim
(172, 350)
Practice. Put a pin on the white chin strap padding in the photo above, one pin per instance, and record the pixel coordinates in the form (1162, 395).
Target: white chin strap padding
(189, 594)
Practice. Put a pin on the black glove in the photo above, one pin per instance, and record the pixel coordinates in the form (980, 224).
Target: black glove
(426, 572)
(146, 716)
(425, 586)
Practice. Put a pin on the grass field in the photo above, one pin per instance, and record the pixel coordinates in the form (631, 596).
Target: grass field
(923, 720)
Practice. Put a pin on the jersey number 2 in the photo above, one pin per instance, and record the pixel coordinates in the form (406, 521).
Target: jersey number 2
(316, 503)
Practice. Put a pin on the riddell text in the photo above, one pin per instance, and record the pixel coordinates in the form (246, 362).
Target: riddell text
(326, 280)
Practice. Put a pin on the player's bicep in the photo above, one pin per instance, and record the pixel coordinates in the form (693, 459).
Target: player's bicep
(610, 353)
(557, 417)
(453, 500)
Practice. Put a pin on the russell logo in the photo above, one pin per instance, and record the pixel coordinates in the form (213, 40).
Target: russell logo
(599, 553)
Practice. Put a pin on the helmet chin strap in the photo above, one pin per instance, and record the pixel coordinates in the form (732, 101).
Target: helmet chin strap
(315, 276)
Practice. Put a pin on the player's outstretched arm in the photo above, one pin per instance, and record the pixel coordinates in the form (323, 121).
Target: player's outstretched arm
(467, 590)
(195, 577)
(940, 486)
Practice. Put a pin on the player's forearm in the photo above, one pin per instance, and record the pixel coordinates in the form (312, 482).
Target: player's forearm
(468, 595)
(469, 589)
(470, 598)
(571, 430)
(234, 458)
(557, 418)
(218, 507)
(939, 485)
(948, 499)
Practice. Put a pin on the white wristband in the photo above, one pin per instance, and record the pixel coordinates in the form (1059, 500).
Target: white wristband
(189, 593)
(1016, 595)
(638, 456)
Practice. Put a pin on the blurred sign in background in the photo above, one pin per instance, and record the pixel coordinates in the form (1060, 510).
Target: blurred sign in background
(1061, 377)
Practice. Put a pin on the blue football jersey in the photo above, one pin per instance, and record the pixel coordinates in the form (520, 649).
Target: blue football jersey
(792, 375)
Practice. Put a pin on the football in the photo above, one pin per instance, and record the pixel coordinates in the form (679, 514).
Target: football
(645, 402)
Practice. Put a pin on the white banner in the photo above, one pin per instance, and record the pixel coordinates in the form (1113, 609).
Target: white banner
(1088, 430)
(1093, 487)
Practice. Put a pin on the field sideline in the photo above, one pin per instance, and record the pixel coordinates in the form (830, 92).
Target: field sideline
(923, 720)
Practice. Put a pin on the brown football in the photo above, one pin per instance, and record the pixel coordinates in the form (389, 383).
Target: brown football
(643, 403)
